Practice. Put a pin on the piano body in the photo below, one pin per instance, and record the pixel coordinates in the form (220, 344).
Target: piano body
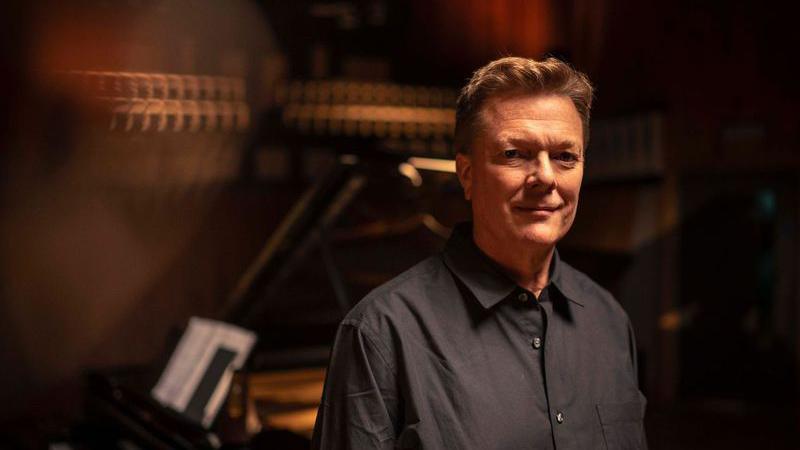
(162, 108)
(385, 200)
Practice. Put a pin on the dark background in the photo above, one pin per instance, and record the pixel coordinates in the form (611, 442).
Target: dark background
(108, 243)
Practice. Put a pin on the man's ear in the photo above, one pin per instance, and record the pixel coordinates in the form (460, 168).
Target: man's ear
(464, 171)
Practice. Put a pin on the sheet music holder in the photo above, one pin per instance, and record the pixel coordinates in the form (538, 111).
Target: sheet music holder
(199, 373)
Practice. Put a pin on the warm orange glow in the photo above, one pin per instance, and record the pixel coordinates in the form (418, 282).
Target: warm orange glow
(486, 30)
(300, 422)
(76, 39)
(287, 399)
(435, 164)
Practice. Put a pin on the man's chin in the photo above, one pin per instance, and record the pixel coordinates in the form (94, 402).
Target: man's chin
(539, 236)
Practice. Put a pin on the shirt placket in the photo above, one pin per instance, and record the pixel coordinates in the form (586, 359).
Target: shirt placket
(534, 331)
(555, 375)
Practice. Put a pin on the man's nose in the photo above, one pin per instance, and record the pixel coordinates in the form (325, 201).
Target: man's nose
(540, 172)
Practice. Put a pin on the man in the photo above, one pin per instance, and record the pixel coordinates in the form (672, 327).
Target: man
(496, 343)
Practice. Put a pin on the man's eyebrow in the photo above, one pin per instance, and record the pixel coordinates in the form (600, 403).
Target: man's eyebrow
(536, 142)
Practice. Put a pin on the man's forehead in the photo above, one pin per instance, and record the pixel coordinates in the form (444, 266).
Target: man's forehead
(514, 106)
(533, 118)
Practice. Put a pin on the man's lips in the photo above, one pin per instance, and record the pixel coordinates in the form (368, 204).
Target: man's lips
(543, 208)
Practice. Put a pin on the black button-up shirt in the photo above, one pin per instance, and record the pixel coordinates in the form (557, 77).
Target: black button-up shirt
(452, 354)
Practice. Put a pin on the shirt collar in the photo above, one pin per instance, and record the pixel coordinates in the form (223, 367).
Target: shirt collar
(565, 279)
(486, 280)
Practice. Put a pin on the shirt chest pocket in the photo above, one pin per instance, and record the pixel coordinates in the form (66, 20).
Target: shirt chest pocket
(622, 424)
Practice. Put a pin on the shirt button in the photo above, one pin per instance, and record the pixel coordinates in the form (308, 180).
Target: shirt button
(537, 342)
(560, 417)
(522, 297)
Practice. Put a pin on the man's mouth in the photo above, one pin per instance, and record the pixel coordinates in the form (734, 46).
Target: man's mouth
(537, 208)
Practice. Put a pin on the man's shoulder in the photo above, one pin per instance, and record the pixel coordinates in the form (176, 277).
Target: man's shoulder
(590, 294)
(408, 291)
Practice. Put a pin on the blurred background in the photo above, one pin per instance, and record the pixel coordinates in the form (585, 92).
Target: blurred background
(267, 163)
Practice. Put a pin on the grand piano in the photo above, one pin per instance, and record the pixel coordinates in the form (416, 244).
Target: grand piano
(162, 104)
(384, 199)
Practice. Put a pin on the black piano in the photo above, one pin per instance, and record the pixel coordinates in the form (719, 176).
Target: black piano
(383, 199)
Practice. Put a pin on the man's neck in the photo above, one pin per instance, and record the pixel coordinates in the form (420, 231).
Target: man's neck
(527, 265)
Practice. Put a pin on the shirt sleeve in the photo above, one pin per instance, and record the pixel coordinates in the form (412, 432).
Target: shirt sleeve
(359, 407)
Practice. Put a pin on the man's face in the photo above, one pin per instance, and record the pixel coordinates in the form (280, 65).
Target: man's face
(524, 172)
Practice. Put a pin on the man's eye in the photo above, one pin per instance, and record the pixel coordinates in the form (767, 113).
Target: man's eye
(511, 153)
(567, 157)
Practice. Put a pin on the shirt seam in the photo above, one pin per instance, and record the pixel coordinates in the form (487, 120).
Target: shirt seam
(369, 335)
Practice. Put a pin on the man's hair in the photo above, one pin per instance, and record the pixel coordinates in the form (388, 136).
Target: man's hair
(519, 76)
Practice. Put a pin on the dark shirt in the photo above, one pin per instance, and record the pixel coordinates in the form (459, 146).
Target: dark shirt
(452, 354)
